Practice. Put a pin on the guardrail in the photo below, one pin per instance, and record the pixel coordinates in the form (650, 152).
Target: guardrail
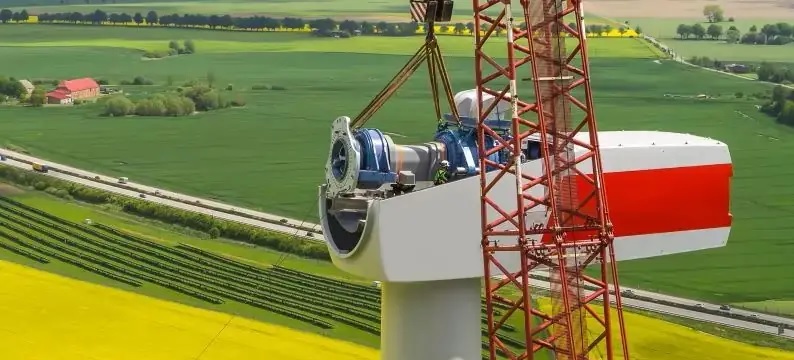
(721, 313)
(197, 203)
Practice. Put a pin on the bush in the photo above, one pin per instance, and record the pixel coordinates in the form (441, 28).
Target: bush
(214, 232)
(103, 82)
(140, 80)
(119, 105)
(229, 87)
(195, 221)
(190, 47)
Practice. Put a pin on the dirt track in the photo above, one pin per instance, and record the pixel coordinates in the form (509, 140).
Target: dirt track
(746, 9)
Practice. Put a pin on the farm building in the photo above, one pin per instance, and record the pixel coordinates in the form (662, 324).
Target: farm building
(84, 88)
(59, 96)
(29, 87)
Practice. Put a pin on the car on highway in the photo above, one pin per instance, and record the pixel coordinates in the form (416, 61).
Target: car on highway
(725, 307)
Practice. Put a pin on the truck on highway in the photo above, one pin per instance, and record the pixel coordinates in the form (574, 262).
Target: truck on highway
(123, 180)
(40, 167)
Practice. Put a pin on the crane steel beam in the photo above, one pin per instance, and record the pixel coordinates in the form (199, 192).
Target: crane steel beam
(578, 232)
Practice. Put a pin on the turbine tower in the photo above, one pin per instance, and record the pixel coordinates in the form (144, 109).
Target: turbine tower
(529, 178)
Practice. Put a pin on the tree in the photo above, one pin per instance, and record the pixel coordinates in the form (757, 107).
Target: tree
(152, 18)
(190, 47)
(608, 29)
(38, 98)
(349, 26)
(137, 18)
(714, 31)
(699, 31)
(6, 15)
(785, 29)
(638, 30)
(713, 13)
(24, 16)
(459, 28)
(765, 71)
(753, 29)
(12, 88)
(622, 30)
(684, 31)
(732, 36)
(173, 45)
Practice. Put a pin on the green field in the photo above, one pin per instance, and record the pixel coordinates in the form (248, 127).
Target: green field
(665, 31)
(270, 155)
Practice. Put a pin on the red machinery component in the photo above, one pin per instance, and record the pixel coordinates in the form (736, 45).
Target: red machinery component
(578, 233)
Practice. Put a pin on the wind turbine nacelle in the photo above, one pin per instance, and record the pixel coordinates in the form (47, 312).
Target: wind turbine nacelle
(667, 193)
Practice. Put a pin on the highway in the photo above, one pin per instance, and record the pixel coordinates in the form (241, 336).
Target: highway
(299, 229)
(168, 198)
(692, 314)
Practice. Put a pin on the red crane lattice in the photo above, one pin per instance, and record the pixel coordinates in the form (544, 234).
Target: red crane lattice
(578, 231)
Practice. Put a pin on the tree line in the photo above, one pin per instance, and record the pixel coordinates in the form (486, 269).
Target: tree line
(769, 34)
(185, 101)
(228, 22)
(326, 26)
(212, 226)
(12, 89)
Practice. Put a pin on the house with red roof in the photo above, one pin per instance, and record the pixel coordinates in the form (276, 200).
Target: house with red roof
(70, 90)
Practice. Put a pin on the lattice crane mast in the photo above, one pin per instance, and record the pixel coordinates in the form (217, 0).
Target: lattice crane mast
(578, 231)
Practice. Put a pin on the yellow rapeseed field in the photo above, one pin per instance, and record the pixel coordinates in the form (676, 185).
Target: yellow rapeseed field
(653, 339)
(49, 317)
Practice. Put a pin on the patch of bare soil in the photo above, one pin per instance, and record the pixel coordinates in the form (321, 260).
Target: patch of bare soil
(9, 190)
(746, 9)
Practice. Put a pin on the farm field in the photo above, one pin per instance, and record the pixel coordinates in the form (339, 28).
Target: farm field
(665, 31)
(214, 42)
(268, 154)
(380, 10)
(142, 328)
(81, 308)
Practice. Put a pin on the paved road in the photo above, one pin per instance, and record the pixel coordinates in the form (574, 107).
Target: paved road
(273, 225)
(690, 314)
(646, 305)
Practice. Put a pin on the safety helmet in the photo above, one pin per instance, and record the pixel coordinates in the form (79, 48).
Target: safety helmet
(444, 163)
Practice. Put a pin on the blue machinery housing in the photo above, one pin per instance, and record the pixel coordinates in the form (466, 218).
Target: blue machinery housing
(460, 143)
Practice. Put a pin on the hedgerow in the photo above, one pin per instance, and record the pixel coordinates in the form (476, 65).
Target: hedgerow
(196, 221)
